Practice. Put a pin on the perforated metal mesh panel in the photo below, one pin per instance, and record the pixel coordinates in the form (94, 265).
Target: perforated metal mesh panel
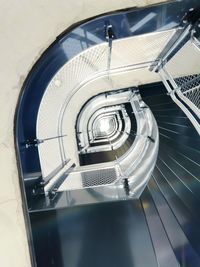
(187, 61)
(89, 178)
(190, 87)
(98, 177)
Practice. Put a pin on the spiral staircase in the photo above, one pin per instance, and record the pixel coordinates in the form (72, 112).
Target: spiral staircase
(108, 143)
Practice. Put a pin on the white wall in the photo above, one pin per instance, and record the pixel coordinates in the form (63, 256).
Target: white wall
(27, 28)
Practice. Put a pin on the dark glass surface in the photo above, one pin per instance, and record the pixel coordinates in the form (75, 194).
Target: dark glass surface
(112, 234)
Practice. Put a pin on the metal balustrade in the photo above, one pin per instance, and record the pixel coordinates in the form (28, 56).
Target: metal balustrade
(183, 57)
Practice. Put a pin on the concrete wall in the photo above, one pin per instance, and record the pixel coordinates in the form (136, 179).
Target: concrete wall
(27, 28)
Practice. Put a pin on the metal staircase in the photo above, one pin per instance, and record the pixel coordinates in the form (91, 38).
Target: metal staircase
(160, 229)
(109, 146)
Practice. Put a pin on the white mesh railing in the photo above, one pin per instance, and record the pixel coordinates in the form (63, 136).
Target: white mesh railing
(190, 88)
(128, 52)
(181, 76)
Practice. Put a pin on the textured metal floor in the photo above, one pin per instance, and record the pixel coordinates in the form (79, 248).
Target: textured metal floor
(161, 229)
